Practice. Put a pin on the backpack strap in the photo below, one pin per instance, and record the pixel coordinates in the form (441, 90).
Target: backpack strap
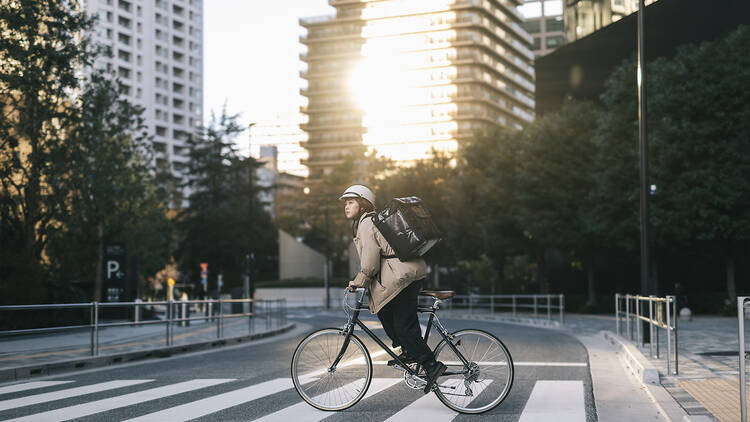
(388, 256)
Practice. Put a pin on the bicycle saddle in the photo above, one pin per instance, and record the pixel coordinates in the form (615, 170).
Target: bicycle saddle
(439, 294)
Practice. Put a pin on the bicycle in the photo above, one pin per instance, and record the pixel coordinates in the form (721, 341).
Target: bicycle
(332, 368)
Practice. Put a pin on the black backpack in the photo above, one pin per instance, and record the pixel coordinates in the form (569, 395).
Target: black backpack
(408, 227)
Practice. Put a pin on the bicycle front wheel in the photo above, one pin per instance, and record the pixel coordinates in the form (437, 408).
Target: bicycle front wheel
(484, 382)
(328, 388)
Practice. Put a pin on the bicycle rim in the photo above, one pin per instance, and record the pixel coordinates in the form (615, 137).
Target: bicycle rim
(493, 375)
(337, 389)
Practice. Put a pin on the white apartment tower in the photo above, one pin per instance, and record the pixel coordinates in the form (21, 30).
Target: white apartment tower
(157, 52)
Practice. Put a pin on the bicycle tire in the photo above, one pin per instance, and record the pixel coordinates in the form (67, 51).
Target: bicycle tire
(502, 385)
(324, 388)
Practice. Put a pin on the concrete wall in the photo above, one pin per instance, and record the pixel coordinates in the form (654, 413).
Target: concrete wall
(297, 260)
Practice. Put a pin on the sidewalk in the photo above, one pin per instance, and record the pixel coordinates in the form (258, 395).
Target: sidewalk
(708, 380)
(39, 350)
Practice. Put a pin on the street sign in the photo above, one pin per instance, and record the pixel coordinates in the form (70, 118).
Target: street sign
(204, 275)
(115, 264)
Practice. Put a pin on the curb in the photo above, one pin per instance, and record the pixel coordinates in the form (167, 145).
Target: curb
(510, 319)
(51, 368)
(643, 370)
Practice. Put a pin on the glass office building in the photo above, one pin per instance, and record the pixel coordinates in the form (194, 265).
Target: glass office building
(544, 21)
(583, 17)
(404, 77)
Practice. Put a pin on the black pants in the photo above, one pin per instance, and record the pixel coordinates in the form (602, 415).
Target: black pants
(400, 322)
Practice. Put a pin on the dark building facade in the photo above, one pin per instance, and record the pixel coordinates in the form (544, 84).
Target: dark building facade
(580, 69)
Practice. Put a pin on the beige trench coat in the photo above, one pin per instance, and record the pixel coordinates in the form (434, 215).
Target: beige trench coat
(384, 278)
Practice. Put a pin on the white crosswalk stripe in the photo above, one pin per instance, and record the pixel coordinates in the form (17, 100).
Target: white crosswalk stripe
(303, 412)
(430, 408)
(561, 401)
(65, 394)
(219, 402)
(30, 386)
(86, 409)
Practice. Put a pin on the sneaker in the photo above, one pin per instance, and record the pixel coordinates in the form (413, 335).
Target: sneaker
(433, 370)
(404, 358)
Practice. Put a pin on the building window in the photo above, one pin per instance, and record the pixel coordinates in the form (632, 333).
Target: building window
(537, 43)
(554, 42)
(532, 26)
(531, 10)
(553, 7)
(554, 24)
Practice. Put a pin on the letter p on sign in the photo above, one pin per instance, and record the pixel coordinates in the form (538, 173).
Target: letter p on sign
(112, 268)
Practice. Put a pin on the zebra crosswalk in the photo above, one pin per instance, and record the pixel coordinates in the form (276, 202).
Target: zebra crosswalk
(562, 401)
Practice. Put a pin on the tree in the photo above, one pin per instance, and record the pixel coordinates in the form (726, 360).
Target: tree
(112, 195)
(225, 220)
(699, 140)
(42, 48)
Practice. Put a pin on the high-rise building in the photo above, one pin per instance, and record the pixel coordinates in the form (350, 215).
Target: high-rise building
(544, 21)
(404, 77)
(583, 17)
(157, 53)
(283, 132)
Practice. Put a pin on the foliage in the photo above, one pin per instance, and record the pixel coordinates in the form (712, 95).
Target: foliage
(225, 220)
(42, 50)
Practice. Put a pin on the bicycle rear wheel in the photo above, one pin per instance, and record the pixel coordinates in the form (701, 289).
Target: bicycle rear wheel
(485, 382)
(329, 388)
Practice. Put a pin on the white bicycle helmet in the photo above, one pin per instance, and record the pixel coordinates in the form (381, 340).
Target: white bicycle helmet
(358, 191)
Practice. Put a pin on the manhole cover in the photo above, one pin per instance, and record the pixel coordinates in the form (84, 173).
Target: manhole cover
(721, 353)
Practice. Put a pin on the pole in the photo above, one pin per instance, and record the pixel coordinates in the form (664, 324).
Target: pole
(741, 337)
(328, 265)
(642, 139)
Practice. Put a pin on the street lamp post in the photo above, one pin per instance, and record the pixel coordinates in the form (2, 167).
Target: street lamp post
(642, 138)
(327, 264)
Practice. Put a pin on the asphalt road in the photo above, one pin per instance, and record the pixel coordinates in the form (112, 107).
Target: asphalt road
(252, 381)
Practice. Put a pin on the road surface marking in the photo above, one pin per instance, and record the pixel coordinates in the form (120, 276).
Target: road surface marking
(303, 412)
(430, 408)
(30, 386)
(559, 401)
(64, 394)
(566, 364)
(86, 409)
(219, 402)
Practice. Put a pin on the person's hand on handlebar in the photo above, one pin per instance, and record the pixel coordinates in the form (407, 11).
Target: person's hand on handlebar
(352, 286)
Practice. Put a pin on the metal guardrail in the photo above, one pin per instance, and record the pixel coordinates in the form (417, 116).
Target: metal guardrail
(662, 313)
(176, 312)
(517, 305)
(743, 303)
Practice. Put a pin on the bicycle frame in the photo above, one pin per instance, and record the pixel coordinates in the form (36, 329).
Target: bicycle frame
(354, 321)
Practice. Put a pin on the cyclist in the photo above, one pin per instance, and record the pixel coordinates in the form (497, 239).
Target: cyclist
(393, 285)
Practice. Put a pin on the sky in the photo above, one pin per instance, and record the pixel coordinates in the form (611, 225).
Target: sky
(251, 56)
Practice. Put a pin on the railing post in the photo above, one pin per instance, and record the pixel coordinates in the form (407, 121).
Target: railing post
(209, 315)
(659, 321)
(169, 317)
(562, 309)
(471, 303)
(617, 314)
(535, 305)
(627, 317)
(219, 320)
(514, 305)
(136, 312)
(741, 337)
(249, 317)
(492, 304)
(94, 328)
(651, 325)
(669, 330)
(549, 310)
(638, 320)
(676, 348)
